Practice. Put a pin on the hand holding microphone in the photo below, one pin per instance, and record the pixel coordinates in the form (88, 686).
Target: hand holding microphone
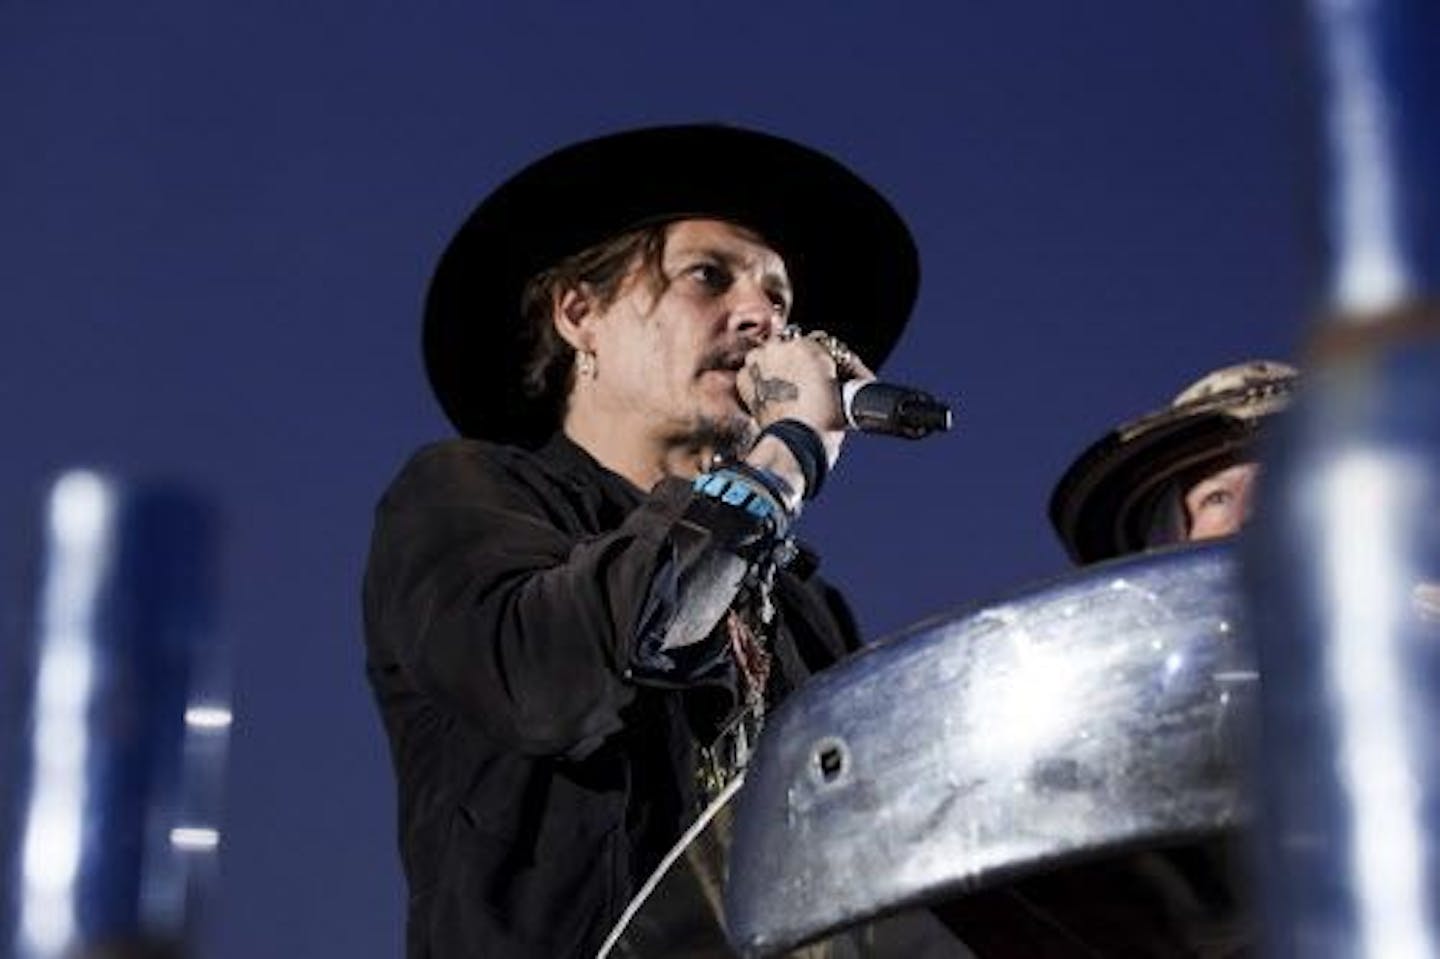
(806, 408)
(884, 408)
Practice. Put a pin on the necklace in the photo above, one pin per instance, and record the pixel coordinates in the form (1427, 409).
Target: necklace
(750, 626)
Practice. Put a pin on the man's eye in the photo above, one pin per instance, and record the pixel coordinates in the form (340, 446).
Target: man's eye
(779, 304)
(712, 276)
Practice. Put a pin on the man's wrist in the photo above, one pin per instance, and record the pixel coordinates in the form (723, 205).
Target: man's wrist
(806, 450)
(772, 455)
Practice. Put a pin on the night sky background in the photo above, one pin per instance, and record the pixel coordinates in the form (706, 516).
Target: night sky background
(217, 221)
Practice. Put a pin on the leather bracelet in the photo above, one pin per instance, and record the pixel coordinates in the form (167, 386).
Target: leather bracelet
(805, 445)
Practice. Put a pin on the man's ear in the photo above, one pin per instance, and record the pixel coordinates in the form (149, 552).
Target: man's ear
(574, 311)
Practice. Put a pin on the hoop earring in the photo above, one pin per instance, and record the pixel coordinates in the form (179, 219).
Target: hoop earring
(585, 364)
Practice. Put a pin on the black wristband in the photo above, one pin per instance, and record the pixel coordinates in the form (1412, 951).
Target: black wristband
(781, 491)
(805, 445)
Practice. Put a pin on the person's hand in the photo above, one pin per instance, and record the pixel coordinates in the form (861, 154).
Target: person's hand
(795, 377)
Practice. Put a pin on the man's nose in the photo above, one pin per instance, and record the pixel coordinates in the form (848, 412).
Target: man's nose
(753, 312)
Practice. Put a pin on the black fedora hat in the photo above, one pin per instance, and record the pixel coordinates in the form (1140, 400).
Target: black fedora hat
(1107, 503)
(851, 259)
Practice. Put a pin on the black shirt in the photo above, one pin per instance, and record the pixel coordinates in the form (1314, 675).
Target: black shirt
(540, 781)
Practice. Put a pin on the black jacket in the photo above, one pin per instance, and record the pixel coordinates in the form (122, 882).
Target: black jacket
(539, 781)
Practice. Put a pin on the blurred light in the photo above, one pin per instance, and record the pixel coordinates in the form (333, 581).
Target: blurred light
(208, 717)
(1370, 273)
(81, 504)
(1371, 500)
(48, 923)
(52, 850)
(195, 838)
(80, 513)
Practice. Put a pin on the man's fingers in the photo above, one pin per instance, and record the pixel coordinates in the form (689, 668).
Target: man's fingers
(847, 361)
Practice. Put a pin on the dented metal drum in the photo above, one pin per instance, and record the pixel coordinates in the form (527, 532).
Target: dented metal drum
(1101, 713)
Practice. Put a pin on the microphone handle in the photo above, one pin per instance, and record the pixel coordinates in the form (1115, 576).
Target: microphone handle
(885, 408)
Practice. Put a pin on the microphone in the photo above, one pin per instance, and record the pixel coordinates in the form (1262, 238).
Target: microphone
(892, 410)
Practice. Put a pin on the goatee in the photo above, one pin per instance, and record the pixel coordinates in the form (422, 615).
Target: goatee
(728, 437)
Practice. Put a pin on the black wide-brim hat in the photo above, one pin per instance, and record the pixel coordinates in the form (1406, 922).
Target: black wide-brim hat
(852, 262)
(1106, 503)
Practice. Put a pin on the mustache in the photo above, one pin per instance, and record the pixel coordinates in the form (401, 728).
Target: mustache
(731, 358)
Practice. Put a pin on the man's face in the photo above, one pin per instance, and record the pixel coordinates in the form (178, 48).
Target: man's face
(1219, 504)
(667, 355)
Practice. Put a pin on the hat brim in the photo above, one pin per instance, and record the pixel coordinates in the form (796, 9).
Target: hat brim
(1104, 506)
(851, 259)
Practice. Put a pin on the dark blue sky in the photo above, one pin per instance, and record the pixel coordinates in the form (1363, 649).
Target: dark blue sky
(217, 221)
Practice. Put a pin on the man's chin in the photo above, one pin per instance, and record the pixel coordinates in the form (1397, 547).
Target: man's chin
(729, 434)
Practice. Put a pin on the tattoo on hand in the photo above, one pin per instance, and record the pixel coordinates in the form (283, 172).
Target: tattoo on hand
(771, 390)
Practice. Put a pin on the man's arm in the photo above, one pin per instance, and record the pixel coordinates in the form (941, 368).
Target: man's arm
(531, 635)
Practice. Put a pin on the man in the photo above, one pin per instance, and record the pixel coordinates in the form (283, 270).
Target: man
(578, 614)
(1181, 474)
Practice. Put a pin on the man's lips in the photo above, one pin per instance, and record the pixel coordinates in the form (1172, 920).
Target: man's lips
(725, 367)
(725, 363)
(726, 378)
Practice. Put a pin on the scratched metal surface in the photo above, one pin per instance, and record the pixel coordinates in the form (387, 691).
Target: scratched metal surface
(1095, 713)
